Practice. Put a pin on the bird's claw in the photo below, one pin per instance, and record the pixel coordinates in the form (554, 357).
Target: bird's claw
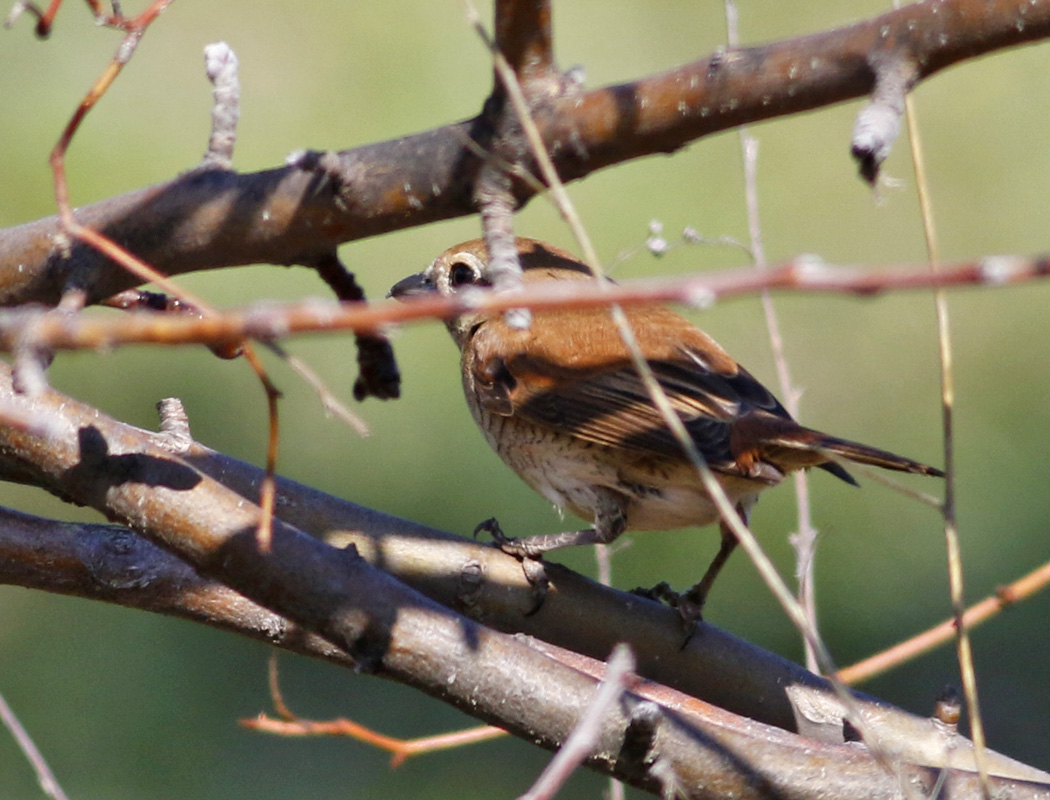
(492, 527)
(689, 604)
(531, 561)
(519, 548)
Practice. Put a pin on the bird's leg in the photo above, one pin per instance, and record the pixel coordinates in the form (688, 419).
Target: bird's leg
(690, 604)
(610, 520)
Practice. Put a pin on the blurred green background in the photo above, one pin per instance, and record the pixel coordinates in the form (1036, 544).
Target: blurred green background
(125, 704)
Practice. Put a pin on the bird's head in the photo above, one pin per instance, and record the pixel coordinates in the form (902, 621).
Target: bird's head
(465, 268)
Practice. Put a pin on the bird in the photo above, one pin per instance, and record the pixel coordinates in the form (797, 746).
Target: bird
(561, 403)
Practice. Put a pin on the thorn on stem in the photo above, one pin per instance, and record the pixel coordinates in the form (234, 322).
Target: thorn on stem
(328, 167)
(635, 754)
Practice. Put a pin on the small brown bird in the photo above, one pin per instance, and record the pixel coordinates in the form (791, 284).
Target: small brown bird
(562, 405)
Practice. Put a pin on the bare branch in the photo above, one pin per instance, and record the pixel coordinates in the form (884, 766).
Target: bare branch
(209, 219)
(181, 497)
(270, 321)
(523, 35)
(220, 63)
(108, 563)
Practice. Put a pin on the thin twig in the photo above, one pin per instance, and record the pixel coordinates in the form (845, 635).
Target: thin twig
(45, 777)
(290, 724)
(268, 488)
(1035, 581)
(400, 749)
(134, 32)
(579, 744)
(804, 540)
(273, 683)
(273, 321)
(45, 19)
(951, 531)
(329, 400)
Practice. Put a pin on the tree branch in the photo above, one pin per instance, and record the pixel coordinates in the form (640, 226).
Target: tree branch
(523, 35)
(208, 218)
(200, 505)
(34, 328)
(707, 752)
(410, 605)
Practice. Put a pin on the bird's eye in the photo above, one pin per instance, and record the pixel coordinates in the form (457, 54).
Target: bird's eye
(461, 274)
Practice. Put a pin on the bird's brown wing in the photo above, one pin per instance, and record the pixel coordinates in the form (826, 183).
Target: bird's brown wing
(572, 374)
(610, 405)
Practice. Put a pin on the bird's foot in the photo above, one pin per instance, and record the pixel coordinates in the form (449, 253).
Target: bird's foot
(690, 604)
(531, 560)
(519, 548)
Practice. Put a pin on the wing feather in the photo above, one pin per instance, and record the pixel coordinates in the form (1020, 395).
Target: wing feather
(610, 405)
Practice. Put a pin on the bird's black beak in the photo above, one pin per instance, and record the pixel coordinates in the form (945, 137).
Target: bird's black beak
(416, 285)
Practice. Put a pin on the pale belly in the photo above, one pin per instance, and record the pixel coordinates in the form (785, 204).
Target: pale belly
(660, 494)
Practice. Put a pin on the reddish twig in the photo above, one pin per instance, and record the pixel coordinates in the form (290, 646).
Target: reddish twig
(268, 487)
(45, 19)
(400, 749)
(134, 30)
(213, 218)
(291, 724)
(274, 321)
(1035, 581)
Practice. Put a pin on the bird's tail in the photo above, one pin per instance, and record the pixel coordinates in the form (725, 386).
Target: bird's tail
(788, 445)
(863, 454)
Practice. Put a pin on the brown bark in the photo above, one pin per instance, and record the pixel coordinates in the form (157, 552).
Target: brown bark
(214, 218)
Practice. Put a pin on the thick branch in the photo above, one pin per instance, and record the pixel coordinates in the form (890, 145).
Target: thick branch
(664, 112)
(196, 503)
(209, 219)
(523, 35)
(708, 752)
